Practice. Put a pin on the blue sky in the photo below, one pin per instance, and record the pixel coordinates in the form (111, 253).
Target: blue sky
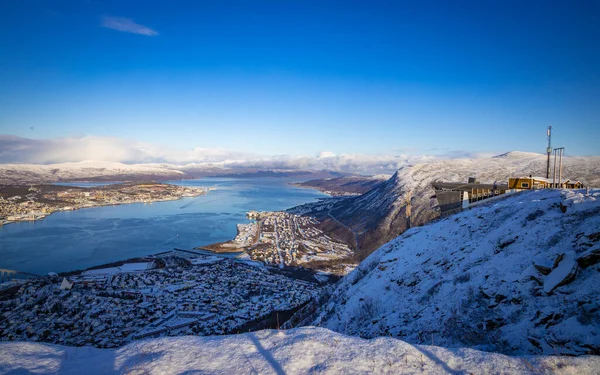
(298, 78)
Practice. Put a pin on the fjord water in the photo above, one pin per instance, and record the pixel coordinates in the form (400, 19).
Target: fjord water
(71, 240)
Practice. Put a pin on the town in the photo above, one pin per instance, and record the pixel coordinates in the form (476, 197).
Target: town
(24, 203)
(169, 294)
(284, 239)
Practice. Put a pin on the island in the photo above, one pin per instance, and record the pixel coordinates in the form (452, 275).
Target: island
(35, 202)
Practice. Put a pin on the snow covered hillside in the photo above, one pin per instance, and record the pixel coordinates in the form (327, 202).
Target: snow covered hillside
(37, 173)
(299, 351)
(516, 276)
(378, 216)
(114, 171)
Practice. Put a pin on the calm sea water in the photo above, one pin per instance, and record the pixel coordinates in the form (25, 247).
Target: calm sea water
(79, 239)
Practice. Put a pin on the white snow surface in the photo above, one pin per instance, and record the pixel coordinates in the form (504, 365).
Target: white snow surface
(36, 173)
(297, 351)
(126, 267)
(470, 280)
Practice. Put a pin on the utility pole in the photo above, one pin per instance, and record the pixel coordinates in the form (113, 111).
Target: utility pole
(554, 171)
(557, 152)
(560, 180)
(548, 151)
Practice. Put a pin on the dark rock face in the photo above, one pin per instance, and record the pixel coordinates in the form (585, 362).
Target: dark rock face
(589, 258)
(543, 270)
(381, 214)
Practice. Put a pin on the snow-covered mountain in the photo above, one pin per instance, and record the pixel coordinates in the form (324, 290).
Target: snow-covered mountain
(115, 171)
(106, 170)
(379, 215)
(346, 185)
(101, 170)
(516, 275)
(307, 350)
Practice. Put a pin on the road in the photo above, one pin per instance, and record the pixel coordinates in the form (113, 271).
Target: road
(281, 263)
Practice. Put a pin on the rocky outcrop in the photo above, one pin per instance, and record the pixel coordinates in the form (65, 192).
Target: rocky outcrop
(563, 273)
(589, 258)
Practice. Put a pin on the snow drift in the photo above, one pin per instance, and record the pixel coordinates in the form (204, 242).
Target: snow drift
(298, 351)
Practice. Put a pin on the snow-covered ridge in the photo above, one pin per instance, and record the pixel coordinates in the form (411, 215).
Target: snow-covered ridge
(36, 173)
(94, 169)
(379, 215)
(299, 351)
(515, 276)
(520, 155)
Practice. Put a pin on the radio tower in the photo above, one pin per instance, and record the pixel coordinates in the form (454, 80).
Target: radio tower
(549, 151)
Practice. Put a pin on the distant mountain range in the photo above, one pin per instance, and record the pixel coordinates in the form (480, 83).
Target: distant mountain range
(114, 171)
(345, 185)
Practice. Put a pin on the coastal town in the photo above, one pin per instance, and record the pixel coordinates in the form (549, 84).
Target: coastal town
(169, 294)
(284, 239)
(35, 202)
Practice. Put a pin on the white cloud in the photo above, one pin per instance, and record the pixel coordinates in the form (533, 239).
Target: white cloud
(110, 149)
(74, 149)
(59, 150)
(326, 154)
(127, 25)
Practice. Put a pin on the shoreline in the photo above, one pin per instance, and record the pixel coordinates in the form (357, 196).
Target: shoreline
(332, 194)
(294, 272)
(43, 215)
(219, 250)
(240, 250)
(227, 247)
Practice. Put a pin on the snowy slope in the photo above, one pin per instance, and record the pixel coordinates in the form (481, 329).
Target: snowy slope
(379, 215)
(114, 171)
(37, 173)
(299, 351)
(488, 278)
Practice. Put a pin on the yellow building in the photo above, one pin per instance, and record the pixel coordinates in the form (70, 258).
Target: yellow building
(568, 184)
(528, 183)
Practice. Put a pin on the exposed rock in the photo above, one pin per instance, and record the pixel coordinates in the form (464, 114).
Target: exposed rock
(538, 281)
(543, 270)
(563, 208)
(557, 260)
(549, 320)
(494, 323)
(589, 258)
(594, 237)
(534, 342)
(563, 274)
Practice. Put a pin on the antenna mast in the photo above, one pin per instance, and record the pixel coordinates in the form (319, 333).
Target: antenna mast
(549, 151)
